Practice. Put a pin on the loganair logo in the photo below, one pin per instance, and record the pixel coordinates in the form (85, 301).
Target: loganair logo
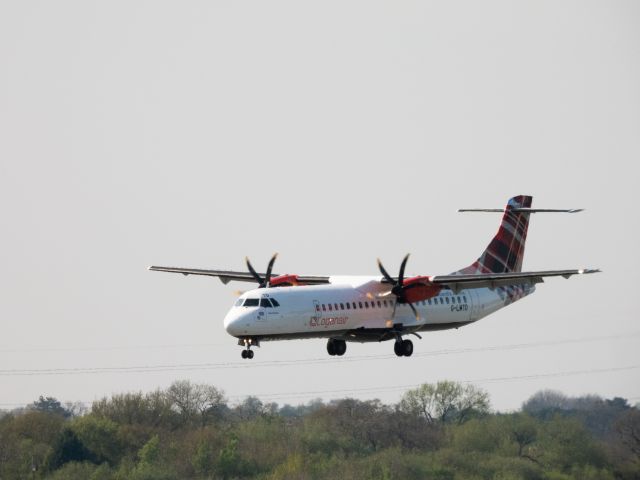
(327, 321)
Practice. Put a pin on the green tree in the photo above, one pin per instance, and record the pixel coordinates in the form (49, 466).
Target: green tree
(230, 463)
(203, 460)
(99, 436)
(49, 405)
(565, 444)
(67, 448)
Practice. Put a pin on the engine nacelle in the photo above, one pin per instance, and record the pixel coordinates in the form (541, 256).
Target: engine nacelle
(284, 281)
(417, 289)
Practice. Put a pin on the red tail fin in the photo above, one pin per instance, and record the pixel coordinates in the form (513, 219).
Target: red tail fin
(506, 250)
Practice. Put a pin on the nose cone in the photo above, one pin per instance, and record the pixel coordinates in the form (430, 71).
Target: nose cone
(232, 322)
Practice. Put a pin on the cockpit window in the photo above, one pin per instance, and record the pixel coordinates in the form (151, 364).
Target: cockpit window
(264, 302)
(251, 302)
(275, 302)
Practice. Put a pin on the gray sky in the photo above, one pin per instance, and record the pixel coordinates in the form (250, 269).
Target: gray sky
(195, 133)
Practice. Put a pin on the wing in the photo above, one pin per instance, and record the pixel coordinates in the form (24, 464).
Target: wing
(492, 280)
(226, 276)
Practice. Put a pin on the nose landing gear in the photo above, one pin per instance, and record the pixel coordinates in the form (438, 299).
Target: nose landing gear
(248, 343)
(247, 353)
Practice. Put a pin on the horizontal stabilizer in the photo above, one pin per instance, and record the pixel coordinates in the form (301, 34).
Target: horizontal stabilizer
(522, 210)
(457, 282)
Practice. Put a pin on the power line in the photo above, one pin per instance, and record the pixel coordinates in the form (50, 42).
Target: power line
(280, 363)
(378, 389)
(31, 349)
(479, 381)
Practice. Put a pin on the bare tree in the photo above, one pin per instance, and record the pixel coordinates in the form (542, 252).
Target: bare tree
(445, 401)
(192, 400)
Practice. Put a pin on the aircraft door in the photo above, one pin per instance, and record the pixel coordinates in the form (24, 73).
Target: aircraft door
(315, 315)
(475, 300)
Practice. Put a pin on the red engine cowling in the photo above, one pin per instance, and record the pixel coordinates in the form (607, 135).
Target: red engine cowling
(284, 281)
(417, 289)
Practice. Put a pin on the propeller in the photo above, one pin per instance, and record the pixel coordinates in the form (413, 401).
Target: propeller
(398, 288)
(262, 282)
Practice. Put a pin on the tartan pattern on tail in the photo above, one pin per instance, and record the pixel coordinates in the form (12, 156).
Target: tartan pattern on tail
(506, 250)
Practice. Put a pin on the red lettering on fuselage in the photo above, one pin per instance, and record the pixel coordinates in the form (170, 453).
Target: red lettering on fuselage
(327, 321)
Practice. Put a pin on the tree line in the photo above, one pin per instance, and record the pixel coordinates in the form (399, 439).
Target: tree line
(445, 430)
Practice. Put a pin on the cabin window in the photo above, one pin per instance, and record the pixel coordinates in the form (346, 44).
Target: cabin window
(324, 308)
(453, 299)
(342, 306)
(429, 301)
(330, 307)
(354, 305)
(317, 308)
(465, 298)
(336, 305)
(379, 304)
(366, 304)
(251, 302)
(360, 303)
(447, 300)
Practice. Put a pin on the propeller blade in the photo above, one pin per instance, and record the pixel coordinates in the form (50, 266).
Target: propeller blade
(269, 268)
(415, 312)
(384, 273)
(253, 271)
(402, 266)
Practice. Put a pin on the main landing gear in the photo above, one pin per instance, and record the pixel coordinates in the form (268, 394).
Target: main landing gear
(403, 348)
(336, 347)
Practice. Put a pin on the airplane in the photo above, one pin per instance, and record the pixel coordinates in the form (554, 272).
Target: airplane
(384, 307)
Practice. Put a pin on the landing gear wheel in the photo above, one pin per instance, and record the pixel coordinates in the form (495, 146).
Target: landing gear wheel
(331, 347)
(340, 347)
(250, 353)
(407, 348)
(403, 348)
(245, 353)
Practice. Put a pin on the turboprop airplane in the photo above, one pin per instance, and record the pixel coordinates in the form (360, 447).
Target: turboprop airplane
(378, 308)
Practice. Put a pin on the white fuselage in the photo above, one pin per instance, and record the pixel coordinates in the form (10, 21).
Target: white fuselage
(357, 309)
